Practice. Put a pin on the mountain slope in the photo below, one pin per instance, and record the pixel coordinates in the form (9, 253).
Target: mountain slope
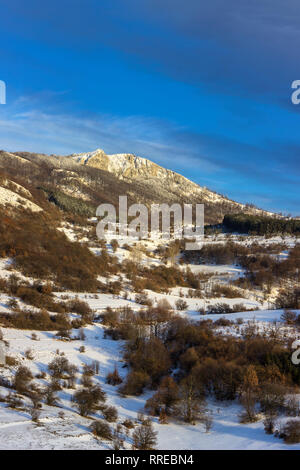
(165, 184)
(132, 168)
(78, 183)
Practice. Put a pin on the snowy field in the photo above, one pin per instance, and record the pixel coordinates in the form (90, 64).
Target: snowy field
(72, 431)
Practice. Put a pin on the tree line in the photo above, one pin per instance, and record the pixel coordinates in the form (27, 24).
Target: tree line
(260, 225)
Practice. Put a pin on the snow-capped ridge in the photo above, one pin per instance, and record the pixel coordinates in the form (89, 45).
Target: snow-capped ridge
(132, 168)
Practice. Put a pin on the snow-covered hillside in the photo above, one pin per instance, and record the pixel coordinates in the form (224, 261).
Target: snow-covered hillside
(71, 431)
(60, 425)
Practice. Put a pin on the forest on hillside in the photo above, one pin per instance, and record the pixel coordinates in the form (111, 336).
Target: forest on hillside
(260, 225)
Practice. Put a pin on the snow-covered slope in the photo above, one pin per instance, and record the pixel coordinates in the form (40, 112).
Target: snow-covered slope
(9, 197)
(96, 177)
(71, 431)
(130, 167)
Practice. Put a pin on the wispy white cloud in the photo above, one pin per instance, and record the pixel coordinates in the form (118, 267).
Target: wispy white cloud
(24, 126)
(213, 160)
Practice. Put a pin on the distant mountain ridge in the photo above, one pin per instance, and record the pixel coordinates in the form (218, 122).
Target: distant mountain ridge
(130, 167)
(81, 182)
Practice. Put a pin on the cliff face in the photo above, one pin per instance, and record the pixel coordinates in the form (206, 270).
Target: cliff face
(123, 165)
(129, 167)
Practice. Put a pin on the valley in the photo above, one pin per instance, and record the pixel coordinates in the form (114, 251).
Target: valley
(113, 345)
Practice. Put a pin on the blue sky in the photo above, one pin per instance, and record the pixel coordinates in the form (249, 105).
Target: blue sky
(202, 89)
